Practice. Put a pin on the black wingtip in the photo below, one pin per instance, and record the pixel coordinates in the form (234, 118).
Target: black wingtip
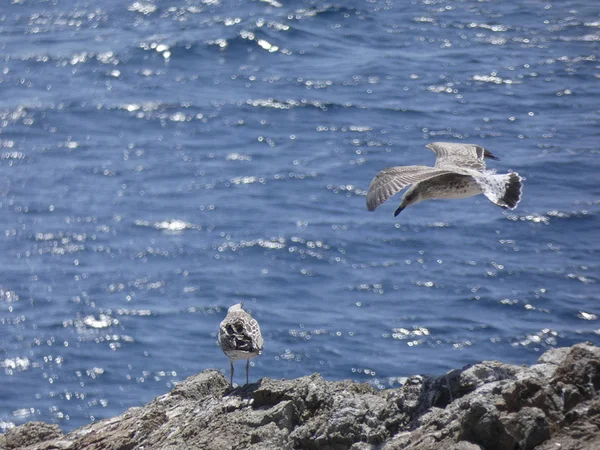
(399, 210)
(512, 196)
(490, 155)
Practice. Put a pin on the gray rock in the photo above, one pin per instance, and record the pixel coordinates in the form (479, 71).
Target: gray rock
(30, 434)
(529, 427)
(486, 406)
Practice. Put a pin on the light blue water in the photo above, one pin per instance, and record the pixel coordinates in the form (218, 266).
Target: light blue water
(162, 160)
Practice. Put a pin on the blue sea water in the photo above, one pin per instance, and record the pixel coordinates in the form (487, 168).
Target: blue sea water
(162, 160)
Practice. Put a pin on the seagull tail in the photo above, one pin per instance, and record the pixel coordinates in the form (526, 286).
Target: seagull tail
(503, 190)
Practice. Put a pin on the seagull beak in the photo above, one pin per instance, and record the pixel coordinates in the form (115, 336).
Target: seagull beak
(399, 210)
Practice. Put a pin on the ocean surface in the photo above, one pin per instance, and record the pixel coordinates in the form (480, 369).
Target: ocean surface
(162, 160)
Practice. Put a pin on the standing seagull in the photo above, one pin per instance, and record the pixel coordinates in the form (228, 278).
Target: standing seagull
(459, 172)
(239, 337)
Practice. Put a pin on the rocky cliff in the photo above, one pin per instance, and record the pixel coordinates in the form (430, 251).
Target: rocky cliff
(554, 404)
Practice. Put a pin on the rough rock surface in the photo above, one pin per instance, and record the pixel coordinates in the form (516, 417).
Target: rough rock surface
(554, 404)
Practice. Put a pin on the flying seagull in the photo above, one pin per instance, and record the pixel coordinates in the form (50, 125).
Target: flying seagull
(459, 172)
(239, 337)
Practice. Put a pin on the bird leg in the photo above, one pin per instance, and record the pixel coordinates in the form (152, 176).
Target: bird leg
(247, 367)
(231, 373)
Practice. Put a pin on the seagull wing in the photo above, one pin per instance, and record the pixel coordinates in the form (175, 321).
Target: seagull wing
(240, 331)
(235, 336)
(451, 154)
(392, 180)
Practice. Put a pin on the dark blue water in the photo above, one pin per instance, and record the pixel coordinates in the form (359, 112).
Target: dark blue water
(162, 160)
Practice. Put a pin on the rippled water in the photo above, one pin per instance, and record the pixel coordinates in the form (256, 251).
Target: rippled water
(161, 160)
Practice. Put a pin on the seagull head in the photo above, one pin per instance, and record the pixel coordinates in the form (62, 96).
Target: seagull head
(411, 197)
(236, 307)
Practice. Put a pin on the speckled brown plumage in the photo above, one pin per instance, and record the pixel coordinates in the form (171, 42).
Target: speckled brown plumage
(459, 172)
(240, 337)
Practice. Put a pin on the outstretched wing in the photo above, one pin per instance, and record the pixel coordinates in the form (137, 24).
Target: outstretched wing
(392, 180)
(451, 154)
